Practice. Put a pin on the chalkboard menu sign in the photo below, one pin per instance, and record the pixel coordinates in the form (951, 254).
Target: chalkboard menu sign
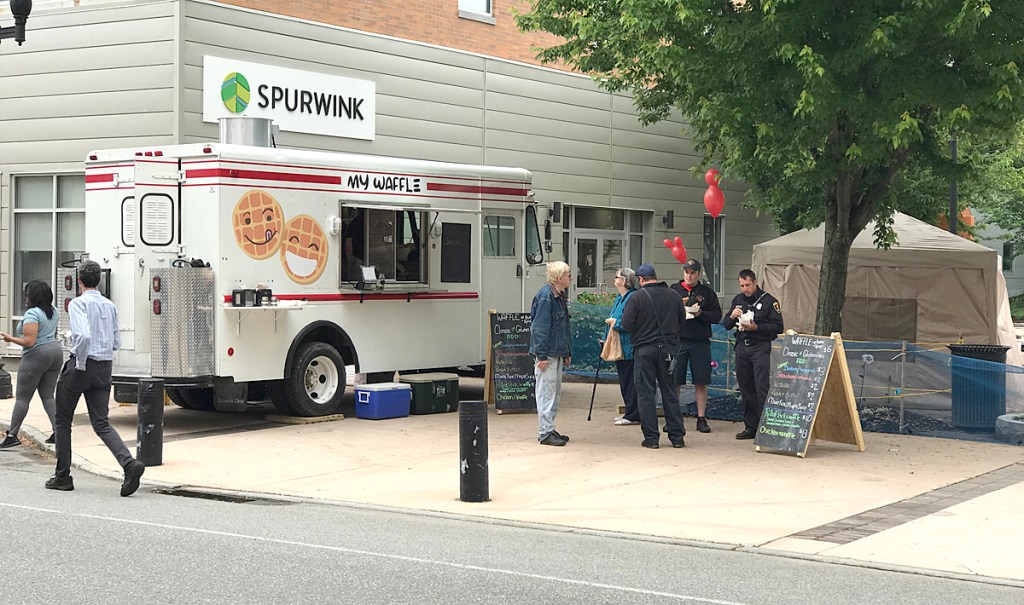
(511, 365)
(798, 380)
(456, 252)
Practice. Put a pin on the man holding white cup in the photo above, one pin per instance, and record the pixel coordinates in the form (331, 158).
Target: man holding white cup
(702, 311)
(757, 318)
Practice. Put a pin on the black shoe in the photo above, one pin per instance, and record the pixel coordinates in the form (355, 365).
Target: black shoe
(650, 444)
(10, 441)
(746, 434)
(51, 439)
(557, 434)
(64, 484)
(679, 444)
(702, 425)
(132, 473)
(553, 438)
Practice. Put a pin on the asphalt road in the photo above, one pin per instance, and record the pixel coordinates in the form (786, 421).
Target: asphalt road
(92, 546)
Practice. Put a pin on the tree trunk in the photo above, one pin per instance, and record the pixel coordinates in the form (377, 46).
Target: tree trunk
(835, 255)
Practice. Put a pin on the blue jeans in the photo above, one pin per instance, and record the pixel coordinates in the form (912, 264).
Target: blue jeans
(548, 392)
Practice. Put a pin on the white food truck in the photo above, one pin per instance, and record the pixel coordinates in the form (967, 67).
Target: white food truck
(243, 273)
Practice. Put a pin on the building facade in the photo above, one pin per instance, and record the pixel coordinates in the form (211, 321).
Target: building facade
(450, 80)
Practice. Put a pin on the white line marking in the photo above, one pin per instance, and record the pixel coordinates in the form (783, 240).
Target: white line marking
(354, 551)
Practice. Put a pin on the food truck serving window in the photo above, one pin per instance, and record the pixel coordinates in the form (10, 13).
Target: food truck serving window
(390, 240)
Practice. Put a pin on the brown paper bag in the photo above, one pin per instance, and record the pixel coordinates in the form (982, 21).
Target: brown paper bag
(612, 350)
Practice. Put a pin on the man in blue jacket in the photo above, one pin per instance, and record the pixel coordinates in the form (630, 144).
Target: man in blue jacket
(549, 344)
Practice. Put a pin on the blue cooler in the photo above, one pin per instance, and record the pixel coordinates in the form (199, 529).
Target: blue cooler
(383, 400)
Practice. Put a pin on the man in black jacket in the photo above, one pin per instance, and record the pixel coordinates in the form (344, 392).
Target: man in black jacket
(702, 311)
(652, 318)
(757, 317)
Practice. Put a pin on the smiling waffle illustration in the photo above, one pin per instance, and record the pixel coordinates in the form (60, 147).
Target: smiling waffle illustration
(304, 249)
(258, 221)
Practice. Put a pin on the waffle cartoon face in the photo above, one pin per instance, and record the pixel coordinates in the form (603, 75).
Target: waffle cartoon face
(304, 249)
(258, 221)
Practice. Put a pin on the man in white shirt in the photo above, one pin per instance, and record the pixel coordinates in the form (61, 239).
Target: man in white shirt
(95, 335)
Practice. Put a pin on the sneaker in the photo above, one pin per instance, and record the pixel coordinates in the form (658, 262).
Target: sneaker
(10, 441)
(746, 434)
(51, 439)
(625, 422)
(679, 444)
(552, 438)
(557, 434)
(63, 484)
(650, 444)
(132, 473)
(702, 425)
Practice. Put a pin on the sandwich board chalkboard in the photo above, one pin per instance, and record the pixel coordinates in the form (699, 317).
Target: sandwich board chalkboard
(510, 382)
(811, 397)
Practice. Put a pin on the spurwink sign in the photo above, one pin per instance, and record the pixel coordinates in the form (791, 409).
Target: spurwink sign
(297, 101)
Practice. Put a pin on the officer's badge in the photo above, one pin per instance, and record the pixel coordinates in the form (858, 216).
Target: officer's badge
(778, 309)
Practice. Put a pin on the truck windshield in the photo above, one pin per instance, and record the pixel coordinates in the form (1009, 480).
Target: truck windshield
(534, 252)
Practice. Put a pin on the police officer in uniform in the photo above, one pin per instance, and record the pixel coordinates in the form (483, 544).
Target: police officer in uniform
(753, 346)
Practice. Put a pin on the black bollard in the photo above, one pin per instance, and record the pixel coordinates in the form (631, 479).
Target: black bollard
(150, 448)
(473, 485)
(6, 388)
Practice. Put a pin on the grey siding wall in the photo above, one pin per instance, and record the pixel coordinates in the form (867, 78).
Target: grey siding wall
(87, 78)
(584, 146)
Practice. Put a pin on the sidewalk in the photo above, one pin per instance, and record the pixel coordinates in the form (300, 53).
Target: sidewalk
(942, 505)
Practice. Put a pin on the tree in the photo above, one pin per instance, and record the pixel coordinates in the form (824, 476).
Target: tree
(818, 104)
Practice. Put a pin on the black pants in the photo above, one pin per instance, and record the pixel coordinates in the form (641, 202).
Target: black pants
(753, 373)
(627, 387)
(650, 372)
(94, 383)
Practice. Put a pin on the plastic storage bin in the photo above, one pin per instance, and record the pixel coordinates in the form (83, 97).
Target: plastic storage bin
(433, 393)
(382, 400)
(979, 389)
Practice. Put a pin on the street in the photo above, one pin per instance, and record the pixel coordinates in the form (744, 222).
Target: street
(91, 546)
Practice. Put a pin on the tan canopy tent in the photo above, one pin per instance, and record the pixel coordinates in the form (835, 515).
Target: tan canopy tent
(931, 288)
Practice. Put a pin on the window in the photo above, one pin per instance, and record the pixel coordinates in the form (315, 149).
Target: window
(49, 228)
(534, 251)
(389, 240)
(636, 239)
(480, 7)
(477, 10)
(499, 236)
(1007, 256)
(714, 251)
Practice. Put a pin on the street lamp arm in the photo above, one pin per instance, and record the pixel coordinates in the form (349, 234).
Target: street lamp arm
(20, 9)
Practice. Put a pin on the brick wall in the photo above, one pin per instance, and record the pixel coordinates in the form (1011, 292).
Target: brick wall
(431, 21)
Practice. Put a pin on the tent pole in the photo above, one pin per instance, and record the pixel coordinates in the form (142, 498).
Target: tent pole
(903, 367)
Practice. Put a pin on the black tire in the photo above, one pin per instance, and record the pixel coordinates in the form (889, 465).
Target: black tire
(192, 399)
(314, 382)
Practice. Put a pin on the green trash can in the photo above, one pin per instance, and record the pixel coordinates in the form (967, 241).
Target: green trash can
(979, 389)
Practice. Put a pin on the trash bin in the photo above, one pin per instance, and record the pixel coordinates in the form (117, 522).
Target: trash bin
(979, 389)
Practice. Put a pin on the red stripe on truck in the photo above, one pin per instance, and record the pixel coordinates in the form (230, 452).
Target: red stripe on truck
(232, 173)
(476, 189)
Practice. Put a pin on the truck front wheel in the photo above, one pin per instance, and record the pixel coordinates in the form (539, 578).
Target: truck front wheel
(314, 382)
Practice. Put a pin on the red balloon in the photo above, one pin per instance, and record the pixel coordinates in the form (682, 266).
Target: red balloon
(678, 250)
(711, 177)
(714, 201)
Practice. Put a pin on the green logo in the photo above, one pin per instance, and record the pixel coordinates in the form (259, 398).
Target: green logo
(235, 92)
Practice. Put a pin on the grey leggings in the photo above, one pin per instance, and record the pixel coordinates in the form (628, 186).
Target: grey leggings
(38, 370)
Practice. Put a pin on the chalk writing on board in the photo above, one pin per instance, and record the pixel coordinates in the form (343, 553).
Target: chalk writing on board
(798, 377)
(511, 362)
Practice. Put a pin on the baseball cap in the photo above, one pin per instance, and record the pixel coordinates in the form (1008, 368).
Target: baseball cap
(646, 270)
(692, 265)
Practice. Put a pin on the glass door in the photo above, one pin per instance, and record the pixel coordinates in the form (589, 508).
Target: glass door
(597, 258)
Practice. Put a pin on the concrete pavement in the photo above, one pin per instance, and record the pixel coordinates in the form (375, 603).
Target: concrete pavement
(947, 506)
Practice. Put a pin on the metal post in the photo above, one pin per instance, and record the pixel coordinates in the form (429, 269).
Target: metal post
(473, 484)
(903, 369)
(150, 440)
(953, 210)
(6, 389)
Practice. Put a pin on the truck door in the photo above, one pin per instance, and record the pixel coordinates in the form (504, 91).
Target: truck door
(157, 216)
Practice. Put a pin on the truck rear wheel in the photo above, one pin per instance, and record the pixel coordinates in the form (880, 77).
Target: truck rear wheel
(314, 382)
(192, 399)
